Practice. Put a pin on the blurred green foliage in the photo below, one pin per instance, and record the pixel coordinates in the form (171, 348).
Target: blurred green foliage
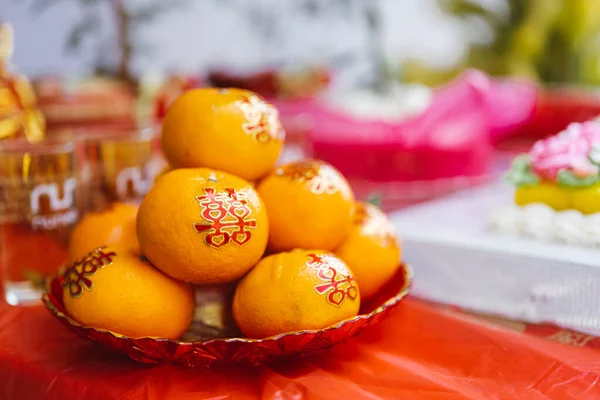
(553, 41)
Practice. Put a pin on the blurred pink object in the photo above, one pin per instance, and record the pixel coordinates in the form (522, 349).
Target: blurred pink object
(510, 105)
(296, 117)
(452, 138)
(569, 150)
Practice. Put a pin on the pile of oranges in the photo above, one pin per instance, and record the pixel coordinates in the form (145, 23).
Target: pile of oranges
(301, 253)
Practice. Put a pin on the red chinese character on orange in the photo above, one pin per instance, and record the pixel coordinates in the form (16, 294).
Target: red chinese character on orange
(305, 170)
(321, 178)
(373, 223)
(262, 119)
(360, 214)
(76, 279)
(338, 280)
(227, 215)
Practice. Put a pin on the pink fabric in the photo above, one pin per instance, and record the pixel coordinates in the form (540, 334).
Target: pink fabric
(453, 137)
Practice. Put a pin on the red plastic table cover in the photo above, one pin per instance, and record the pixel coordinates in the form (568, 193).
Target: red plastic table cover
(419, 352)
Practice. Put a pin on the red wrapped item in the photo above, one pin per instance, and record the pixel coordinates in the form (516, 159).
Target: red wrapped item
(264, 82)
(557, 107)
(276, 84)
(93, 104)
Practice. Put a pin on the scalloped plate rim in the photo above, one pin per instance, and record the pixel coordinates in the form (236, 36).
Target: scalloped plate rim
(392, 301)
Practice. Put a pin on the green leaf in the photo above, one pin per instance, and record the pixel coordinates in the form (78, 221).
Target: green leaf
(594, 155)
(467, 9)
(567, 178)
(375, 199)
(521, 174)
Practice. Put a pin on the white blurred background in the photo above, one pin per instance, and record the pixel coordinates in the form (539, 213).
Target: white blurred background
(192, 35)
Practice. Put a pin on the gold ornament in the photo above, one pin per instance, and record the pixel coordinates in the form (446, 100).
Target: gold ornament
(18, 113)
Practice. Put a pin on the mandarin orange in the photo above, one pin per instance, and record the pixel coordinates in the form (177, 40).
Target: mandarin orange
(371, 250)
(310, 205)
(298, 290)
(202, 226)
(163, 172)
(231, 130)
(115, 225)
(112, 289)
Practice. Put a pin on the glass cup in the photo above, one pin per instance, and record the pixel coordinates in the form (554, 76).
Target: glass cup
(41, 187)
(124, 166)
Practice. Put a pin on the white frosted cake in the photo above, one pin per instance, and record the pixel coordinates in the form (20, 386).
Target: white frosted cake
(540, 221)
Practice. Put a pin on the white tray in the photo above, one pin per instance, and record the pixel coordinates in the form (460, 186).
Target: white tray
(459, 261)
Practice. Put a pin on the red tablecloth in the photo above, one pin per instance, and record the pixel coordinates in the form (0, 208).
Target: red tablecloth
(420, 352)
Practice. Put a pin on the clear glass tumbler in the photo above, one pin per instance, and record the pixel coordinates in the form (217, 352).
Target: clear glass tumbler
(123, 164)
(41, 188)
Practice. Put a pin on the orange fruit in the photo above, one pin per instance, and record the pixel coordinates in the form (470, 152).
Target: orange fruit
(202, 226)
(310, 205)
(231, 130)
(298, 290)
(371, 250)
(112, 289)
(162, 172)
(115, 225)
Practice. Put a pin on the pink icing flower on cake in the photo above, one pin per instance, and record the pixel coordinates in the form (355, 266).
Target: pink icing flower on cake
(569, 150)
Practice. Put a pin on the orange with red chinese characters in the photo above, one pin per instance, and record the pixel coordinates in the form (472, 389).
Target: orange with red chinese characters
(310, 205)
(293, 291)
(371, 250)
(112, 289)
(231, 130)
(202, 226)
